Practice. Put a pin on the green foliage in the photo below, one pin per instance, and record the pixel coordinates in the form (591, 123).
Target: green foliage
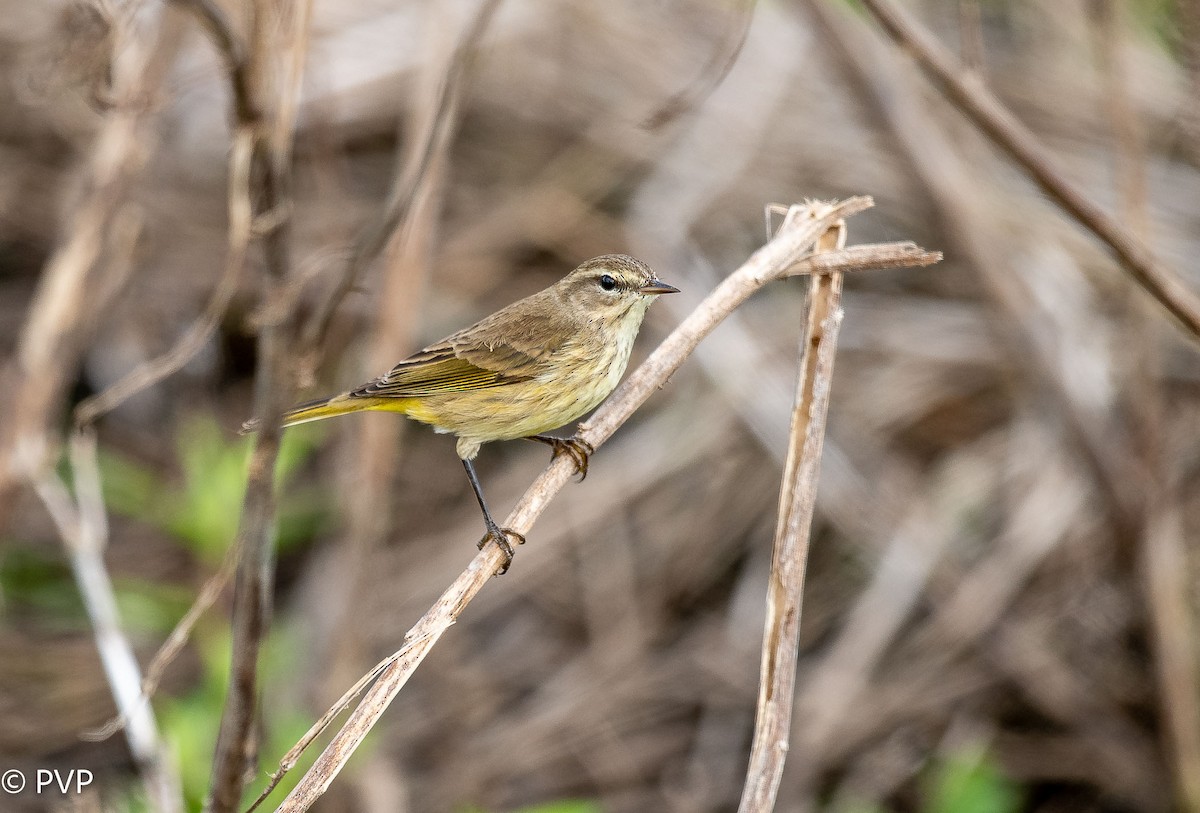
(969, 782)
(203, 509)
(36, 585)
(1160, 20)
(200, 509)
(39, 587)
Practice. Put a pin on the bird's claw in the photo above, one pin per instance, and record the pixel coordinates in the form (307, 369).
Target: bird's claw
(578, 449)
(501, 537)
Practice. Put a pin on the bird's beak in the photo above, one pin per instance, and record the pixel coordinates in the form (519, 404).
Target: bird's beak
(657, 286)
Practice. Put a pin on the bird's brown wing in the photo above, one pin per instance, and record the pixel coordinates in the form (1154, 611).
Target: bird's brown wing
(505, 348)
(434, 371)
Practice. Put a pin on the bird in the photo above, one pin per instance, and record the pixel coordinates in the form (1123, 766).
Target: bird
(526, 369)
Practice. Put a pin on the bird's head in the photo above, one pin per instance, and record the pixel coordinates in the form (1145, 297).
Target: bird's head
(612, 287)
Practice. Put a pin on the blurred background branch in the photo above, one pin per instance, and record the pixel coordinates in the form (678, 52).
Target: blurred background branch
(974, 98)
(1000, 602)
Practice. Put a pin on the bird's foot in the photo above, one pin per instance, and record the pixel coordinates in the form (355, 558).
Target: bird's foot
(579, 450)
(501, 537)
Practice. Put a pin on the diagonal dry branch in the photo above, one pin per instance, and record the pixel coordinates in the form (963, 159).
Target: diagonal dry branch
(782, 257)
(969, 93)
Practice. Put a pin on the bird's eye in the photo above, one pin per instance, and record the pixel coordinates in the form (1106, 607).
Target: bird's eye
(607, 282)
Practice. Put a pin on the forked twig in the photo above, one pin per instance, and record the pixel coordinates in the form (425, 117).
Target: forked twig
(247, 115)
(782, 257)
(797, 500)
(290, 759)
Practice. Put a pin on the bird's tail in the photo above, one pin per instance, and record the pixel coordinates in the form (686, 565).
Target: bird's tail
(317, 410)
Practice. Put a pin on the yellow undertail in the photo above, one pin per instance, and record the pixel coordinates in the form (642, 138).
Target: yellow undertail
(337, 405)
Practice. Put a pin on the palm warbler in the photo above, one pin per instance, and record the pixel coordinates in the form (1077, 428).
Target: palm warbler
(528, 368)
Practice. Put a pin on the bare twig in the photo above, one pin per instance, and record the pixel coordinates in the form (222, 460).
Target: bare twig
(247, 114)
(233, 52)
(972, 96)
(797, 500)
(83, 526)
(1164, 565)
(290, 759)
(777, 259)
(252, 585)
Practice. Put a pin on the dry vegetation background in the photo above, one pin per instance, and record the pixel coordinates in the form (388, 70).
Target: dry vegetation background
(1001, 601)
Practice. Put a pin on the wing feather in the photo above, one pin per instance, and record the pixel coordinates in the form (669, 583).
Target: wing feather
(514, 344)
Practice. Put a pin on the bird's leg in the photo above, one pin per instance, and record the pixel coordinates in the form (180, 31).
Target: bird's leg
(578, 449)
(494, 532)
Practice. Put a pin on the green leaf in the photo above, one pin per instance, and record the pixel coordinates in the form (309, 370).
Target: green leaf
(204, 509)
(970, 782)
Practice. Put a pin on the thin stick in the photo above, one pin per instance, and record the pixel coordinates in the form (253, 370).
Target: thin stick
(290, 759)
(251, 590)
(797, 500)
(1164, 563)
(934, 160)
(972, 96)
(778, 259)
(83, 527)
